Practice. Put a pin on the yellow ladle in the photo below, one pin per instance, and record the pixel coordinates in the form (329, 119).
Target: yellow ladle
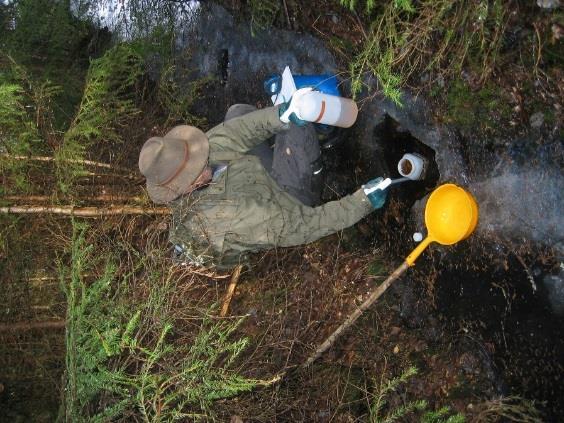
(451, 215)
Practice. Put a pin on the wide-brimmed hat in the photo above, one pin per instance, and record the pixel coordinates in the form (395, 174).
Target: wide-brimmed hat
(172, 163)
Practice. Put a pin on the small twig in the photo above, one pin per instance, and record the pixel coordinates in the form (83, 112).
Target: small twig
(231, 290)
(204, 272)
(539, 52)
(278, 377)
(527, 271)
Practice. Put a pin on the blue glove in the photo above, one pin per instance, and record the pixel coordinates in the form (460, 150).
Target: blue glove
(377, 197)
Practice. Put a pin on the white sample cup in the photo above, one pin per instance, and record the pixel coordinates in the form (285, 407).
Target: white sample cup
(412, 166)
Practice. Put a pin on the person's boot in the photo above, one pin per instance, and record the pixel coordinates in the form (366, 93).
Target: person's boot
(329, 139)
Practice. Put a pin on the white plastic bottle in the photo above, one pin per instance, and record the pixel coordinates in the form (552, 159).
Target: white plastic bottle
(318, 107)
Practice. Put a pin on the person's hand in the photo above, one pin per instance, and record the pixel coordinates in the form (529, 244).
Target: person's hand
(376, 191)
(287, 111)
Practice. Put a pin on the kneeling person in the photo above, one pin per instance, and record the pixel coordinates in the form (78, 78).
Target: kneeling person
(232, 194)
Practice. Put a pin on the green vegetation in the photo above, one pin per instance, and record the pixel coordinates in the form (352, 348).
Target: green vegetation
(262, 14)
(123, 356)
(25, 117)
(384, 388)
(381, 412)
(475, 109)
(108, 104)
(176, 100)
(69, 100)
(438, 38)
(52, 45)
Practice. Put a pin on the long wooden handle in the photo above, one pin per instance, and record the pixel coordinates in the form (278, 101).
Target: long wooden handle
(357, 313)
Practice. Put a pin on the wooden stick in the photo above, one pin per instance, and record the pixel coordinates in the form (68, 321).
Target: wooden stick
(230, 290)
(52, 159)
(356, 314)
(107, 198)
(25, 326)
(85, 211)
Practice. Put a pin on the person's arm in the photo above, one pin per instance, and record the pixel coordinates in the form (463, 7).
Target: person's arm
(307, 224)
(244, 132)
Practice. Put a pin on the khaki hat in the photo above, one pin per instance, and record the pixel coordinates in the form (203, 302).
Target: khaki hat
(173, 162)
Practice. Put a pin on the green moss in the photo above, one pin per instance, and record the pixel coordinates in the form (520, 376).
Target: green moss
(376, 268)
(481, 109)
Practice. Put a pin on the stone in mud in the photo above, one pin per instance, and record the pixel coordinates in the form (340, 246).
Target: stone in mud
(536, 120)
(548, 4)
(554, 284)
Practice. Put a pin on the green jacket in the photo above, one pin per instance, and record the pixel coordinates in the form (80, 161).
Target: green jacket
(245, 210)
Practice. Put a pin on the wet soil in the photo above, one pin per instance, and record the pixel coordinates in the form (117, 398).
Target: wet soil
(299, 296)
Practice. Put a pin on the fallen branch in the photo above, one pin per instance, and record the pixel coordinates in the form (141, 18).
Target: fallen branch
(52, 159)
(85, 211)
(108, 198)
(25, 326)
(230, 290)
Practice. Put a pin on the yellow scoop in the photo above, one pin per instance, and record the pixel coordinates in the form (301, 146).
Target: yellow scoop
(451, 215)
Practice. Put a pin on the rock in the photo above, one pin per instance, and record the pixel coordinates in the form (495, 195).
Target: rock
(536, 120)
(265, 53)
(324, 414)
(394, 330)
(557, 31)
(441, 81)
(554, 284)
(548, 4)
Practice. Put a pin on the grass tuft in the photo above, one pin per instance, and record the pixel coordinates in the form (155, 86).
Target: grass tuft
(437, 38)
